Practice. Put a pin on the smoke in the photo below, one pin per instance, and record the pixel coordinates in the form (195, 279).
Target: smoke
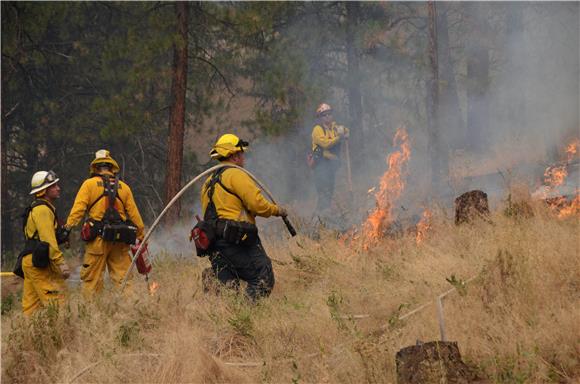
(531, 107)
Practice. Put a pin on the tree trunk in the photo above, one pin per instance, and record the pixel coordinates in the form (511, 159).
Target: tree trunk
(7, 240)
(433, 100)
(450, 111)
(477, 79)
(177, 116)
(354, 91)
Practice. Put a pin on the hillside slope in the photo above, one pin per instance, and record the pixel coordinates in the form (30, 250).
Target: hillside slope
(334, 313)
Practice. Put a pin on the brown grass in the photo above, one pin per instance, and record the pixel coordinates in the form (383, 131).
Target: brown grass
(516, 322)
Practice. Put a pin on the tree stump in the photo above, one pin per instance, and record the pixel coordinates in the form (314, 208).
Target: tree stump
(434, 362)
(469, 205)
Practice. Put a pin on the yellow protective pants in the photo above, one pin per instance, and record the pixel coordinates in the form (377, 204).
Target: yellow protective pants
(100, 254)
(41, 287)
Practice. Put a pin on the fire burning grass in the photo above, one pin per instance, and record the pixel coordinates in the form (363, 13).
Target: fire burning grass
(517, 319)
(391, 187)
(554, 177)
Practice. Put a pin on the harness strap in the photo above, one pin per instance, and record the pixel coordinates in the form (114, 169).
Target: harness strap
(28, 212)
(211, 210)
(106, 185)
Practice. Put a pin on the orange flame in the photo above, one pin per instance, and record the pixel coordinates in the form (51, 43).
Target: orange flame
(390, 188)
(572, 149)
(153, 287)
(555, 175)
(423, 226)
(570, 209)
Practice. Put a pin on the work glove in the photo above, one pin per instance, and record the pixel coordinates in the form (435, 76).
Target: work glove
(136, 246)
(282, 212)
(342, 131)
(64, 270)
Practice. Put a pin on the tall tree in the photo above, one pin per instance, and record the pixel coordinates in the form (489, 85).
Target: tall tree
(177, 114)
(478, 78)
(353, 84)
(433, 128)
(450, 111)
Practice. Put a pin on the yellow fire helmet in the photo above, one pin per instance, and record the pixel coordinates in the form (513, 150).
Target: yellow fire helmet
(103, 156)
(227, 145)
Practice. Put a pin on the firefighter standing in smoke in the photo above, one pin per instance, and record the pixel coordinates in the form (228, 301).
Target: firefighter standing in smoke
(231, 200)
(108, 232)
(42, 263)
(326, 137)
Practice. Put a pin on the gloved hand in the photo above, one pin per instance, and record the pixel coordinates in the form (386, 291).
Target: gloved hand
(282, 212)
(342, 131)
(135, 248)
(64, 270)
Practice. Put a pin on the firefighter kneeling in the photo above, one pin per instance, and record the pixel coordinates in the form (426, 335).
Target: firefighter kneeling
(230, 201)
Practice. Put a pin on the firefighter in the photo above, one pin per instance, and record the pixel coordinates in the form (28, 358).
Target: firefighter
(326, 139)
(43, 266)
(113, 223)
(231, 200)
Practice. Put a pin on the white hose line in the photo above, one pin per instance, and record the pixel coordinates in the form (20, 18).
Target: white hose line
(176, 197)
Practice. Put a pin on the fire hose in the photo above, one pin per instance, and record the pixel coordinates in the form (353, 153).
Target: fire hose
(178, 195)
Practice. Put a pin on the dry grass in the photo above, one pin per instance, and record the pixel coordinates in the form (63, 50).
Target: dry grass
(516, 322)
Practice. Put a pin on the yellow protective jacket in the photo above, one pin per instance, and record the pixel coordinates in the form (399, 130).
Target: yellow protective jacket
(252, 203)
(43, 221)
(327, 139)
(91, 190)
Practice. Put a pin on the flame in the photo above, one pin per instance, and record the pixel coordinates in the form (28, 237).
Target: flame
(423, 226)
(572, 149)
(153, 287)
(570, 208)
(554, 176)
(390, 188)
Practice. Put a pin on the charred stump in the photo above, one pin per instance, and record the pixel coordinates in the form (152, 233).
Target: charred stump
(432, 363)
(469, 205)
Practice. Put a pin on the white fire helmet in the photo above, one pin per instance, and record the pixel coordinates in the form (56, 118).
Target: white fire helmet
(323, 108)
(42, 180)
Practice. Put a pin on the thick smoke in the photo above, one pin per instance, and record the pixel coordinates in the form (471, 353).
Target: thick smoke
(533, 97)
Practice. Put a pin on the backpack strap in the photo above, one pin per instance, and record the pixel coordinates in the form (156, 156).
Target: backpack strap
(211, 210)
(106, 185)
(35, 203)
(111, 189)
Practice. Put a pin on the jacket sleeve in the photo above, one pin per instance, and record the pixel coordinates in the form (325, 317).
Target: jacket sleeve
(251, 195)
(318, 138)
(80, 205)
(44, 221)
(133, 213)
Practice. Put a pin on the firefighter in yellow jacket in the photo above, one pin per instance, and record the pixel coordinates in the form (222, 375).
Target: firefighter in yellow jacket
(326, 139)
(108, 232)
(231, 200)
(43, 265)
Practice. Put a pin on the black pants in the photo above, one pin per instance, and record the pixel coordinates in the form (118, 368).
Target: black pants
(324, 175)
(251, 264)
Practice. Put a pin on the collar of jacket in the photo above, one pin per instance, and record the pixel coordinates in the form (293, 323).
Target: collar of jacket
(47, 201)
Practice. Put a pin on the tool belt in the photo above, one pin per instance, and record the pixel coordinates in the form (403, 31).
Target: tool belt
(122, 232)
(236, 232)
(40, 255)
